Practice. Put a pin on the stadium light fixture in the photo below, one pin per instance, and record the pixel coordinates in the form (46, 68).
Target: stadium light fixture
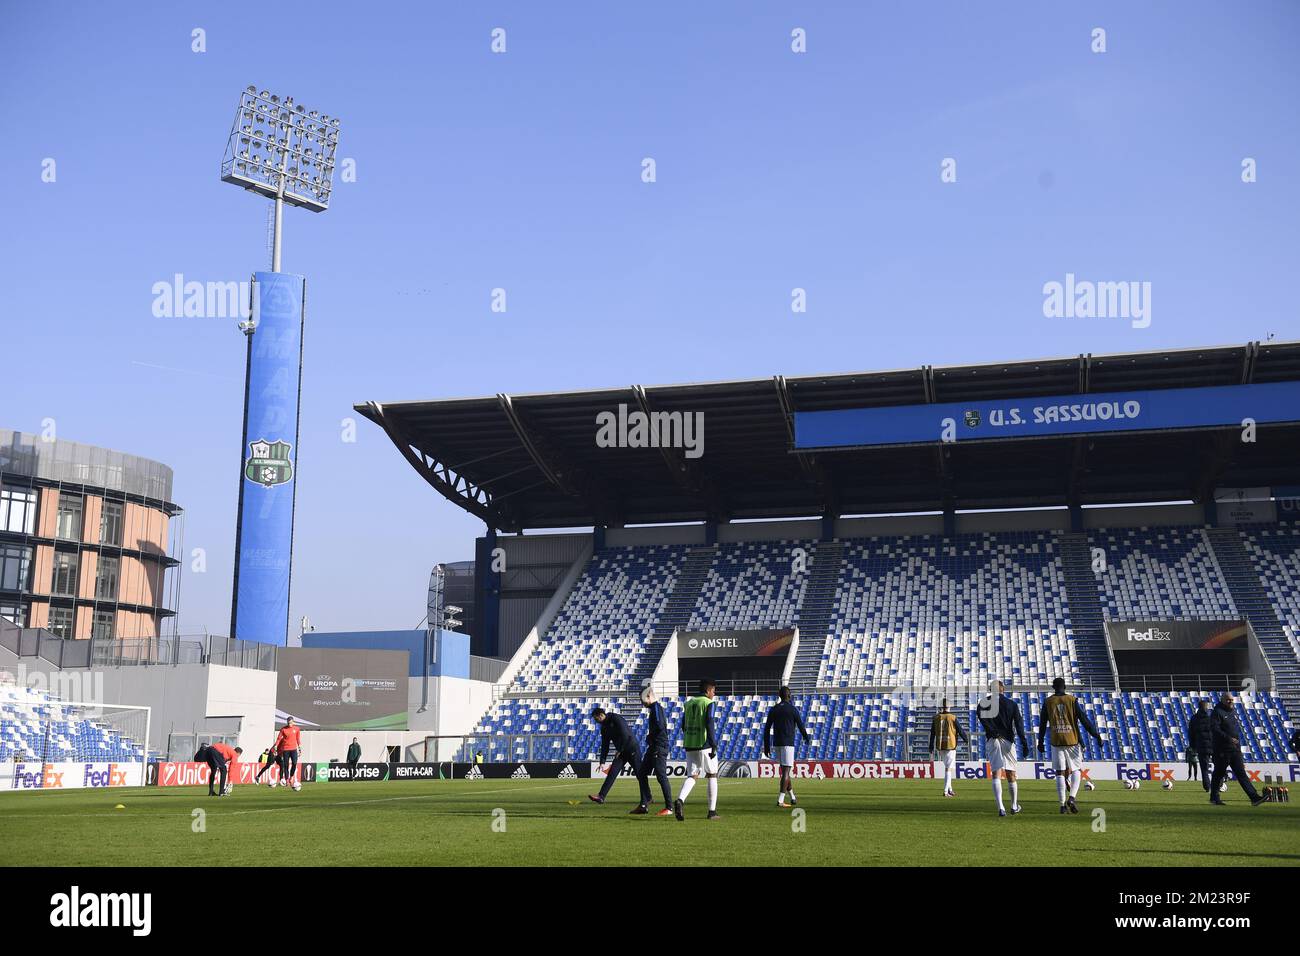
(283, 151)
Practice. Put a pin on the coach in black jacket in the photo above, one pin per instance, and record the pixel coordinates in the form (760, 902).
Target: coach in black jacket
(1227, 751)
(1200, 737)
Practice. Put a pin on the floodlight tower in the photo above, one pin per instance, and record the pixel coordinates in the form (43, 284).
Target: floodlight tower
(285, 152)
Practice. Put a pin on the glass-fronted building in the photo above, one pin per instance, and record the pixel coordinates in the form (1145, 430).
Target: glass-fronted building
(89, 539)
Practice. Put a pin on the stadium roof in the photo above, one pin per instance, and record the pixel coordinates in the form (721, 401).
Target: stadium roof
(531, 461)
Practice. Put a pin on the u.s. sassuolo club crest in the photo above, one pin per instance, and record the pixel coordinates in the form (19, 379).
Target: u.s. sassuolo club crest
(268, 462)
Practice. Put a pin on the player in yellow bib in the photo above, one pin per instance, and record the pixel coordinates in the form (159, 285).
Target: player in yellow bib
(1063, 715)
(945, 731)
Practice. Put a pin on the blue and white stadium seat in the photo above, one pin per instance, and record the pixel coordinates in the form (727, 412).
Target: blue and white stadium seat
(1275, 554)
(752, 585)
(36, 727)
(1161, 573)
(599, 634)
(926, 610)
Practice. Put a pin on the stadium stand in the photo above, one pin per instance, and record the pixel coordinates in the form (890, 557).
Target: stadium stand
(1161, 573)
(1264, 564)
(921, 609)
(600, 634)
(37, 727)
(888, 612)
(751, 584)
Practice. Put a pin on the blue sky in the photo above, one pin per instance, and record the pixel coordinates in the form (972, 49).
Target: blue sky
(523, 171)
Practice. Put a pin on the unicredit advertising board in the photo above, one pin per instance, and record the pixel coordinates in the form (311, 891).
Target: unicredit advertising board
(1037, 417)
(325, 688)
(1176, 635)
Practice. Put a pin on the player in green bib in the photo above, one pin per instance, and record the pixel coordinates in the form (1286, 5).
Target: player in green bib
(701, 748)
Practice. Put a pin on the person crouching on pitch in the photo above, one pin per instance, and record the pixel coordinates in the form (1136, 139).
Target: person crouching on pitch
(655, 757)
(945, 731)
(1063, 714)
(615, 733)
(785, 720)
(220, 758)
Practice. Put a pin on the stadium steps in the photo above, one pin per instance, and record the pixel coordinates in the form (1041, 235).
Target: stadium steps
(919, 719)
(1086, 619)
(1251, 600)
(676, 615)
(815, 613)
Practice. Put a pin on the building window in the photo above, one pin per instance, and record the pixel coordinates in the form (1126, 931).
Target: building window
(61, 622)
(14, 614)
(106, 578)
(18, 510)
(110, 523)
(102, 629)
(69, 523)
(15, 560)
(65, 574)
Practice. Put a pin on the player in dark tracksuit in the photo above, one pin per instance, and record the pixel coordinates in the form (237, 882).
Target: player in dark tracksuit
(783, 722)
(617, 735)
(1200, 738)
(219, 757)
(1227, 751)
(1000, 717)
(655, 758)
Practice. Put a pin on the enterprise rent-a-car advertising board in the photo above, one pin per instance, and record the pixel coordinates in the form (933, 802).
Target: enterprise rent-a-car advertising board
(325, 688)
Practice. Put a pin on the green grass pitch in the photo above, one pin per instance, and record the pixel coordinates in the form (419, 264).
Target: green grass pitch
(551, 823)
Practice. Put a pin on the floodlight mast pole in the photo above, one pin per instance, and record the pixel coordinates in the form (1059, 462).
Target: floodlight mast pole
(279, 207)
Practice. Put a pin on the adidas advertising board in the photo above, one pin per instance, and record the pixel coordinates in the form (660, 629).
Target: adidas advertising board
(519, 770)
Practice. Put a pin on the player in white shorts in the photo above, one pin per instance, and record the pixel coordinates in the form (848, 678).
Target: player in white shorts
(1062, 713)
(701, 746)
(1000, 717)
(945, 732)
(701, 763)
(784, 722)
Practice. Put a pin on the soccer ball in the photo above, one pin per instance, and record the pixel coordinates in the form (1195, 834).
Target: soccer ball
(297, 785)
(1167, 785)
(1137, 784)
(1089, 785)
(270, 781)
(227, 789)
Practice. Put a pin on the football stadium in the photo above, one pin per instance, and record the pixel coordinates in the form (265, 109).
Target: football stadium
(938, 548)
(1022, 550)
